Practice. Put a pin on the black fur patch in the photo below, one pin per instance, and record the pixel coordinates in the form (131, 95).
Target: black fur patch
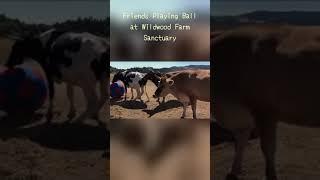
(57, 54)
(159, 90)
(128, 78)
(54, 36)
(29, 47)
(58, 51)
(143, 82)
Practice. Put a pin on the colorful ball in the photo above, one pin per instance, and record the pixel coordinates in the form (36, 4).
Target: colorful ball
(117, 89)
(22, 90)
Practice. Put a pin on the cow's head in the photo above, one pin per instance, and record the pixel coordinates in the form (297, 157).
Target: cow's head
(154, 77)
(28, 47)
(164, 87)
(118, 76)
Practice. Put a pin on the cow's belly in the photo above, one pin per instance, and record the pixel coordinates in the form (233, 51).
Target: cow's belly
(183, 98)
(284, 103)
(78, 77)
(134, 85)
(199, 89)
(299, 111)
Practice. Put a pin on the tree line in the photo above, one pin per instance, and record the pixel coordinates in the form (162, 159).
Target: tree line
(161, 70)
(13, 26)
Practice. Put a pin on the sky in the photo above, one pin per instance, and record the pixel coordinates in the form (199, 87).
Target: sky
(49, 12)
(231, 7)
(156, 5)
(154, 64)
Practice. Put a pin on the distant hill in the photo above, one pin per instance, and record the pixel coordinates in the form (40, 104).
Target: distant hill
(162, 70)
(269, 17)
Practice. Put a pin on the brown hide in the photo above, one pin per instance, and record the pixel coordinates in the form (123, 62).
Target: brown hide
(274, 72)
(192, 83)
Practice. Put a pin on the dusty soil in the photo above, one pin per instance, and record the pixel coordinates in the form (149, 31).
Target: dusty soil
(171, 109)
(297, 155)
(60, 151)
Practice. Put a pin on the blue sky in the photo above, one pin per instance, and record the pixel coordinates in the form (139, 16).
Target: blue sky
(163, 5)
(120, 6)
(154, 64)
(230, 7)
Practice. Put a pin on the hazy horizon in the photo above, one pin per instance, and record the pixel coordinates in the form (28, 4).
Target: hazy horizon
(155, 64)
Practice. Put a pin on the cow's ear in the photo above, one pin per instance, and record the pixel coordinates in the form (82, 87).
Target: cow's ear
(171, 82)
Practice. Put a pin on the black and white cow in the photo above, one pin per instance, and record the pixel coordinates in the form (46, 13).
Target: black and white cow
(137, 81)
(78, 59)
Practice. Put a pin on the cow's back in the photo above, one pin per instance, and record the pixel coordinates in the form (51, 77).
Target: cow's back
(80, 54)
(271, 72)
(193, 83)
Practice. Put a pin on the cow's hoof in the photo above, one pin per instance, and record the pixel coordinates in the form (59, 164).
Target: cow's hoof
(231, 177)
(182, 117)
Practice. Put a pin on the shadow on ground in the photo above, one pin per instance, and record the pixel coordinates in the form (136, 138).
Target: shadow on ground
(163, 107)
(129, 104)
(64, 136)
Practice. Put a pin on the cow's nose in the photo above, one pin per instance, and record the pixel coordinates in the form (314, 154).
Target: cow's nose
(154, 96)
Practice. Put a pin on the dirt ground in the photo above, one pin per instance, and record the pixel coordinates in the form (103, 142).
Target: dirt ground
(297, 156)
(171, 109)
(60, 151)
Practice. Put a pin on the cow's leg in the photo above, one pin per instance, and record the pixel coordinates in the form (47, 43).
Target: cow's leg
(193, 101)
(145, 87)
(241, 140)
(125, 93)
(49, 114)
(141, 93)
(131, 93)
(185, 104)
(138, 94)
(91, 96)
(103, 97)
(70, 94)
(268, 145)
(184, 99)
(226, 110)
(163, 99)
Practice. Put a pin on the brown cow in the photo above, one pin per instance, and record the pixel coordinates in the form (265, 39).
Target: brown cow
(263, 75)
(187, 86)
